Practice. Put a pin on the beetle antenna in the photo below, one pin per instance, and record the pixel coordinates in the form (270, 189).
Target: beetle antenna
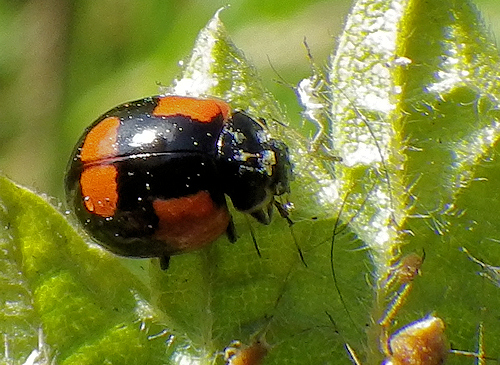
(252, 233)
(284, 213)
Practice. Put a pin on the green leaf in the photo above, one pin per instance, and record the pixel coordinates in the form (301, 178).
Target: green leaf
(405, 155)
(61, 298)
(413, 97)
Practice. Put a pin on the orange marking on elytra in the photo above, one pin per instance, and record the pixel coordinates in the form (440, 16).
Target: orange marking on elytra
(99, 189)
(190, 222)
(201, 110)
(100, 142)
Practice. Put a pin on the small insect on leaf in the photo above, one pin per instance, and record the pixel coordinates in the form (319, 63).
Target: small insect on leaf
(422, 342)
(400, 282)
(240, 354)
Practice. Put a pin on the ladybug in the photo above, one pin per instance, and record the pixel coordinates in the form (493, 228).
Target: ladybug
(149, 178)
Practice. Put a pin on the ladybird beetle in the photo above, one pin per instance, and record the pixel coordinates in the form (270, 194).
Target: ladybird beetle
(149, 177)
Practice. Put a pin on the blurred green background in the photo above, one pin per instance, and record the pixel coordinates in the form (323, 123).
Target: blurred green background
(64, 63)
